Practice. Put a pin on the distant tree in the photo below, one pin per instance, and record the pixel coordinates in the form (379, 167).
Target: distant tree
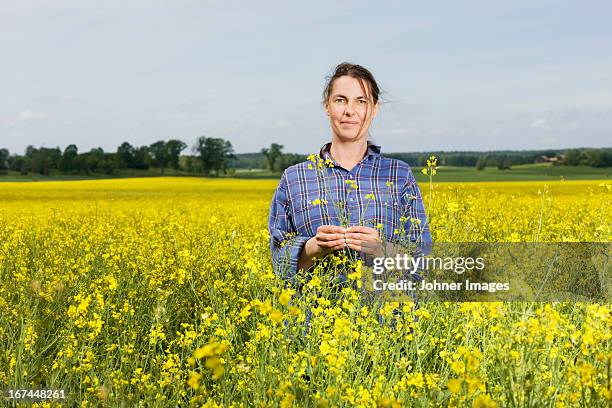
(30, 151)
(160, 156)
(481, 164)
(189, 164)
(43, 160)
(4, 161)
(504, 162)
(18, 163)
(272, 154)
(174, 148)
(92, 161)
(605, 159)
(572, 157)
(126, 156)
(491, 161)
(214, 153)
(142, 158)
(288, 159)
(598, 157)
(32, 159)
(69, 160)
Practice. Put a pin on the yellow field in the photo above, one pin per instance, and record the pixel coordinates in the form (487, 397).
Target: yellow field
(161, 292)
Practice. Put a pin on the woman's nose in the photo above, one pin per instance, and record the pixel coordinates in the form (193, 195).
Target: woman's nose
(349, 109)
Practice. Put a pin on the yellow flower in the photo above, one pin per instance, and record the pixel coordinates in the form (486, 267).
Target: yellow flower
(285, 297)
(454, 385)
(210, 349)
(484, 401)
(216, 365)
(351, 184)
(194, 380)
(276, 316)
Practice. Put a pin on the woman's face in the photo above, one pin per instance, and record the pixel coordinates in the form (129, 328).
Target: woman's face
(349, 109)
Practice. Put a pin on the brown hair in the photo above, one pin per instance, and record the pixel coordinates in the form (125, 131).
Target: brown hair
(361, 74)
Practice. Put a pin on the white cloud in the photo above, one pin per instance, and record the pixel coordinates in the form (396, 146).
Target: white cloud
(28, 115)
(538, 124)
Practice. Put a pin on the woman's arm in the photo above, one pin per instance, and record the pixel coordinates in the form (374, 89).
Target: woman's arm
(291, 251)
(285, 244)
(311, 250)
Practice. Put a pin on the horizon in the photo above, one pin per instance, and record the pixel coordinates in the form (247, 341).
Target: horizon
(383, 152)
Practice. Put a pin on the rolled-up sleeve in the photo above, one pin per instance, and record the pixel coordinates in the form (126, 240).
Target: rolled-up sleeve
(285, 243)
(416, 226)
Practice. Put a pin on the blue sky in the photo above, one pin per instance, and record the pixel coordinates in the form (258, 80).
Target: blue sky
(473, 75)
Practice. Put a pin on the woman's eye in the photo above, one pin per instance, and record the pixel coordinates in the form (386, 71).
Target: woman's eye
(362, 101)
(339, 100)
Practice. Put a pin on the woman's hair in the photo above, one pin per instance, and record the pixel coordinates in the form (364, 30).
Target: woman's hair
(354, 71)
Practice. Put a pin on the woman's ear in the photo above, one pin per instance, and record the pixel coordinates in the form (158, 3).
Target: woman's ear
(375, 110)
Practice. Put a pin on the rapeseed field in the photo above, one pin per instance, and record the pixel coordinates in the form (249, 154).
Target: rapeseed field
(160, 292)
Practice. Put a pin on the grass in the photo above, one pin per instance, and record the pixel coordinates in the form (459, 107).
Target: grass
(524, 172)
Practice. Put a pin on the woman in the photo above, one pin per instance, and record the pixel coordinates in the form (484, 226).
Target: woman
(349, 196)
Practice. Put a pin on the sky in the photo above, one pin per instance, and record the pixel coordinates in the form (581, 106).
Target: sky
(470, 75)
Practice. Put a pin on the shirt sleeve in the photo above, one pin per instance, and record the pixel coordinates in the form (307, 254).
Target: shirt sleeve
(416, 226)
(285, 243)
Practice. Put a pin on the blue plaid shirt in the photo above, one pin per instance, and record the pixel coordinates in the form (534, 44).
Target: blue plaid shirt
(378, 192)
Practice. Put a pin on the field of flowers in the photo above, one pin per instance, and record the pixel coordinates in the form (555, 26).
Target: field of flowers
(160, 292)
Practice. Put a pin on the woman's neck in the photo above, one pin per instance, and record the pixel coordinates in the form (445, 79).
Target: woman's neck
(348, 154)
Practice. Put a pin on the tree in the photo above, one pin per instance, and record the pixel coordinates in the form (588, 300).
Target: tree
(4, 163)
(481, 163)
(18, 163)
(142, 158)
(604, 160)
(43, 160)
(504, 162)
(159, 151)
(289, 159)
(174, 148)
(572, 157)
(68, 162)
(214, 153)
(272, 154)
(126, 155)
(92, 161)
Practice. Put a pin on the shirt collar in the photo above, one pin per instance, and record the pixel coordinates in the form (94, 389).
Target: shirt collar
(372, 152)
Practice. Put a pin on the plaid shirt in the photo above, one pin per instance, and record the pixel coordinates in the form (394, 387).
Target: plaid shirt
(378, 192)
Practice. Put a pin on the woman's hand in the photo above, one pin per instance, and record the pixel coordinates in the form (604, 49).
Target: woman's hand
(364, 239)
(329, 238)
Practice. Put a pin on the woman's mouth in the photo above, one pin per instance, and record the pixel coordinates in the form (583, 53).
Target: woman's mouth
(349, 123)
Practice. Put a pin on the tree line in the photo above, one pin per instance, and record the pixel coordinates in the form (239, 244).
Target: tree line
(216, 156)
(210, 155)
(505, 159)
